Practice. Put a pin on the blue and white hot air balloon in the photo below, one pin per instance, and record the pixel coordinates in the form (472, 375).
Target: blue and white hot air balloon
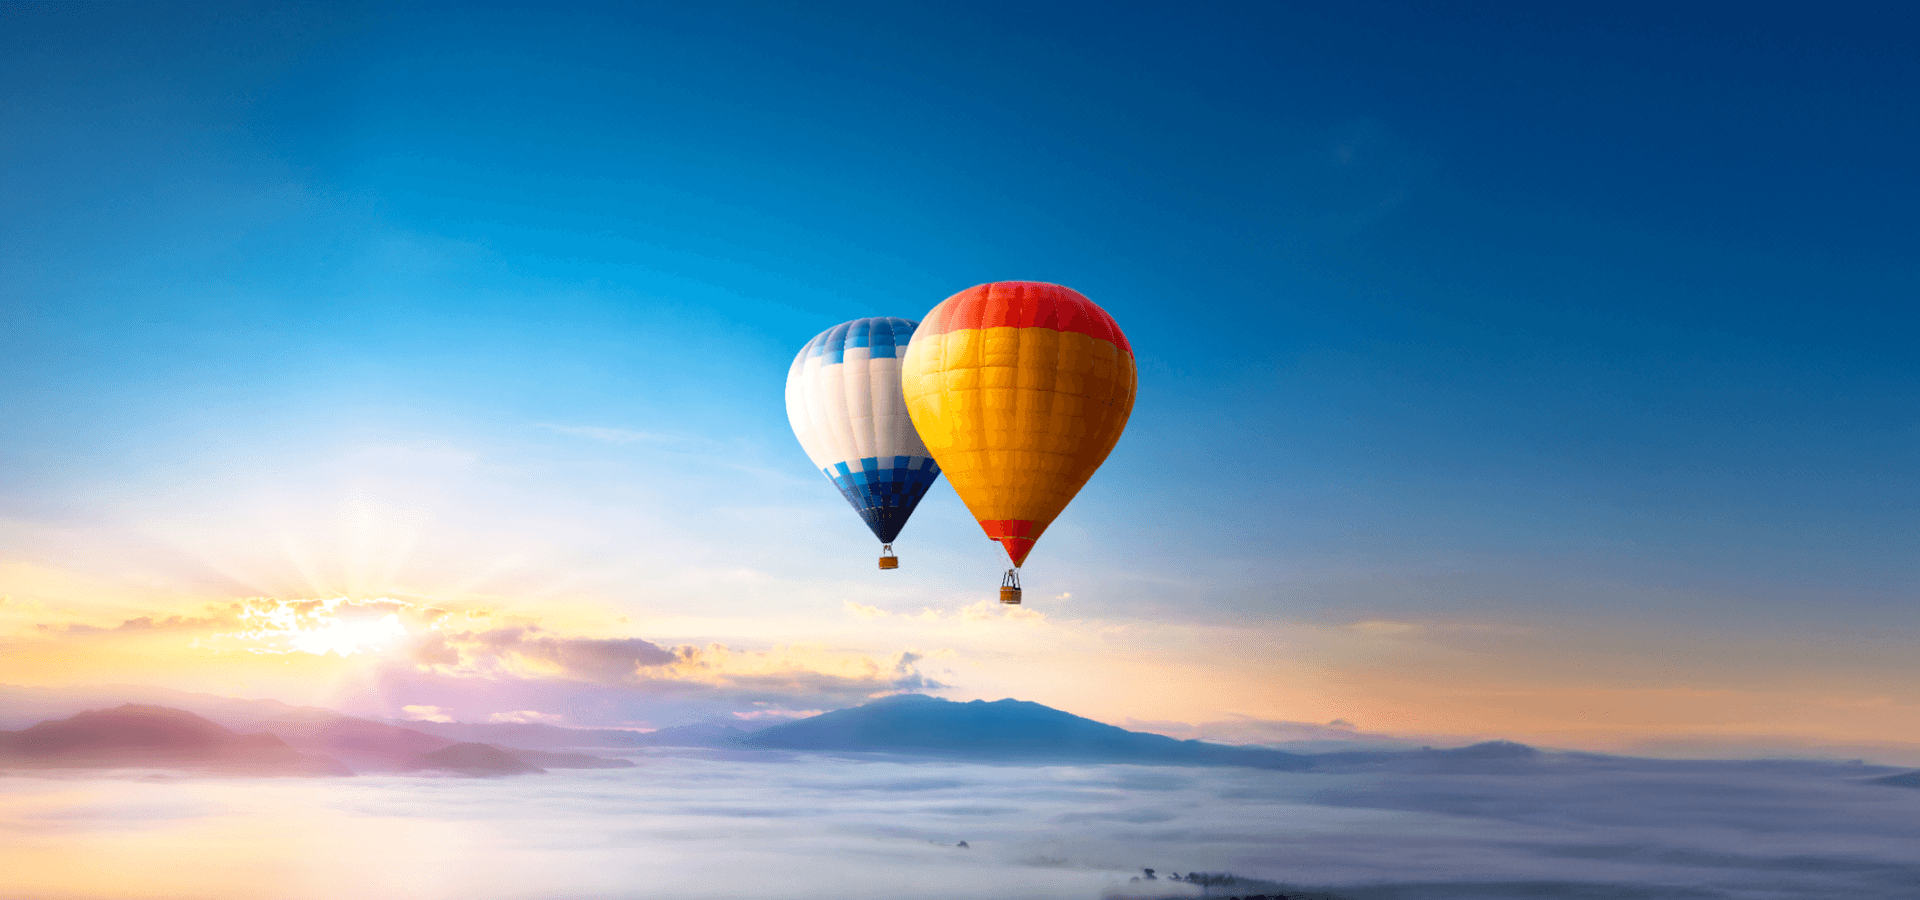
(844, 400)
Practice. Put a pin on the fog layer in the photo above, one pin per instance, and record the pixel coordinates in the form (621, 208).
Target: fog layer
(763, 825)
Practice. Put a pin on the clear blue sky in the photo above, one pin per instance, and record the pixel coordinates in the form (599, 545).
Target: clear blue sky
(1501, 313)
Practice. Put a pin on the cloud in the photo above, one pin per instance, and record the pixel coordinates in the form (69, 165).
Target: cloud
(470, 664)
(908, 676)
(823, 829)
(804, 671)
(635, 683)
(526, 717)
(337, 625)
(432, 649)
(986, 611)
(171, 623)
(143, 623)
(529, 650)
(426, 713)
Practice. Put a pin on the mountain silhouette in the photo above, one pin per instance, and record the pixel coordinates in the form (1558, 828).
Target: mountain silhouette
(550, 759)
(1484, 758)
(345, 733)
(22, 705)
(1010, 731)
(553, 736)
(1005, 730)
(1904, 779)
(156, 736)
(476, 760)
(377, 746)
(699, 734)
(138, 735)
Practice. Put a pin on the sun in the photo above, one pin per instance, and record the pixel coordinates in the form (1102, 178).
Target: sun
(347, 638)
(338, 625)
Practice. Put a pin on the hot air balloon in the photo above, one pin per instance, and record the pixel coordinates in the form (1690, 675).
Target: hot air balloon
(843, 398)
(1020, 389)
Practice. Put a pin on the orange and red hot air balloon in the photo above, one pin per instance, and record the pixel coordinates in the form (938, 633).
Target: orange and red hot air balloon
(1020, 389)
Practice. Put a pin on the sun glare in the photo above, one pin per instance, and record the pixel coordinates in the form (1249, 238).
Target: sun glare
(348, 638)
(320, 627)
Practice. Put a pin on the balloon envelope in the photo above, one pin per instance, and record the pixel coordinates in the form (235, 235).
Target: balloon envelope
(844, 401)
(1020, 390)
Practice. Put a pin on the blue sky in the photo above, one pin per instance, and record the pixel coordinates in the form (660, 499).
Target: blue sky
(1598, 321)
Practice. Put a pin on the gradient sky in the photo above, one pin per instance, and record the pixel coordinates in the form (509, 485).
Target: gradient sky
(1515, 371)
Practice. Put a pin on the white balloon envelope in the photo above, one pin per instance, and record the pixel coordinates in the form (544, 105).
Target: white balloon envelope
(847, 409)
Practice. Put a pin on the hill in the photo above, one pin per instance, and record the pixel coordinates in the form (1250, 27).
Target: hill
(145, 736)
(377, 746)
(1011, 731)
(1006, 730)
(479, 760)
(1904, 779)
(555, 736)
(22, 705)
(156, 736)
(1485, 758)
(348, 735)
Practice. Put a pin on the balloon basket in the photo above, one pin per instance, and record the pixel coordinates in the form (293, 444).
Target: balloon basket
(1010, 588)
(887, 559)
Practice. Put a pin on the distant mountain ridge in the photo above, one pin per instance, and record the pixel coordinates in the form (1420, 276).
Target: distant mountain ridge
(1904, 779)
(146, 736)
(351, 735)
(22, 706)
(135, 735)
(480, 760)
(550, 736)
(1006, 730)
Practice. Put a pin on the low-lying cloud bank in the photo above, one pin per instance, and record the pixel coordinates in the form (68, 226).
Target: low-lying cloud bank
(711, 826)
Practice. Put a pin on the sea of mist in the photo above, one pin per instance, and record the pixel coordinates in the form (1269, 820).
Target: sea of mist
(721, 825)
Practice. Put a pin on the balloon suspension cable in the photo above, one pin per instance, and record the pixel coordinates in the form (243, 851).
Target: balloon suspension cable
(1010, 586)
(886, 550)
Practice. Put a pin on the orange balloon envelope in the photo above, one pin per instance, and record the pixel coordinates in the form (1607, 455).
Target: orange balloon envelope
(1020, 390)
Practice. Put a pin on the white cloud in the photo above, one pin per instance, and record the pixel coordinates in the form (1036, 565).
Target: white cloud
(864, 611)
(427, 713)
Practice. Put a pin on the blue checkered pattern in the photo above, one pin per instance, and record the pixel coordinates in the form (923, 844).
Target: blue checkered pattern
(884, 338)
(885, 496)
